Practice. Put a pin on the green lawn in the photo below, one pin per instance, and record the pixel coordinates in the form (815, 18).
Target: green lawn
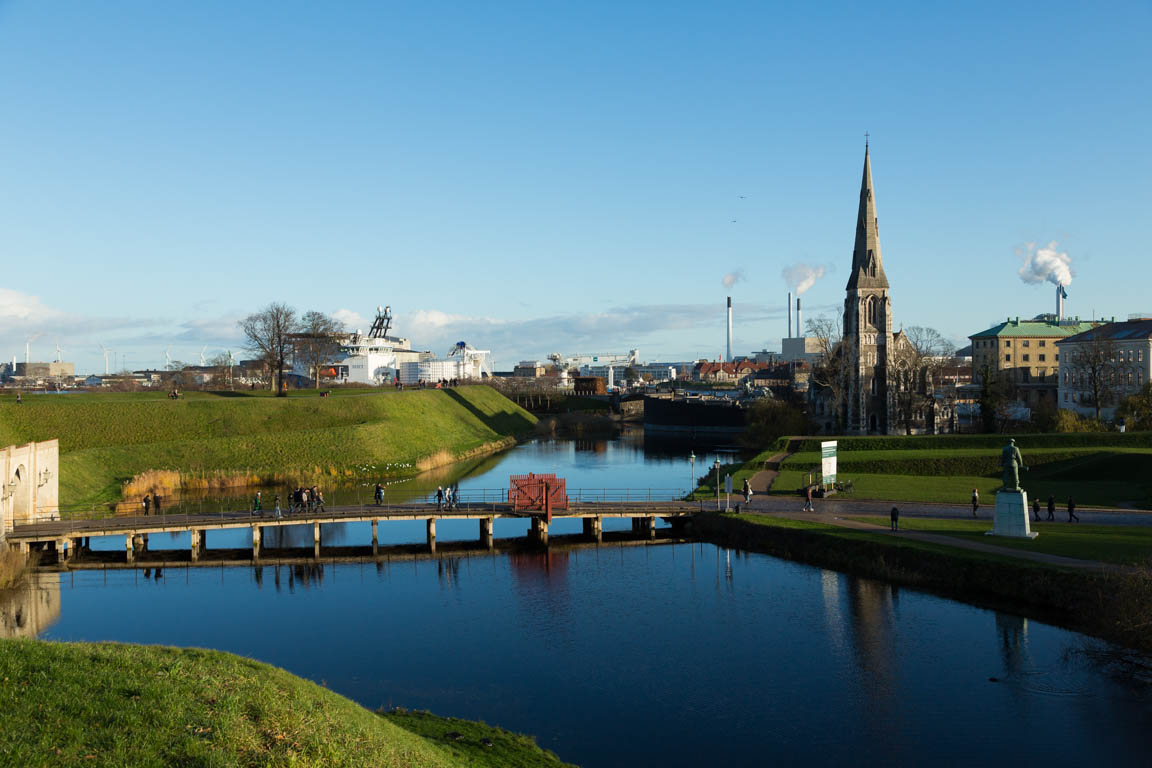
(477, 744)
(83, 704)
(107, 439)
(1121, 544)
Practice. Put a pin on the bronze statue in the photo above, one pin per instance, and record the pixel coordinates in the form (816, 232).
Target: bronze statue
(1012, 462)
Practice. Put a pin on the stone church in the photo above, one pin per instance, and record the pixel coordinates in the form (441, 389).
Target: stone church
(873, 359)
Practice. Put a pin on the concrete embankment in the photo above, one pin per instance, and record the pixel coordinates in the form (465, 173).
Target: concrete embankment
(1111, 605)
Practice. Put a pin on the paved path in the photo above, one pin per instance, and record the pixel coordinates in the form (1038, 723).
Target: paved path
(839, 513)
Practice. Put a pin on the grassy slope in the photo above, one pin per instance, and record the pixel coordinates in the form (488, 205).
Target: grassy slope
(507, 750)
(106, 439)
(127, 705)
(1123, 544)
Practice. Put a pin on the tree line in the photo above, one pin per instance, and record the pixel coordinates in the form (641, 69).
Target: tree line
(277, 334)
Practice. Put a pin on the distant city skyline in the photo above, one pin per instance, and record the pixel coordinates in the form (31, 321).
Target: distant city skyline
(537, 178)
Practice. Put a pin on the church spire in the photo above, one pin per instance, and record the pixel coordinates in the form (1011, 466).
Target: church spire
(867, 268)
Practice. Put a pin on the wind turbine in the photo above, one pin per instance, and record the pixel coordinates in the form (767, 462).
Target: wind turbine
(59, 355)
(105, 350)
(202, 363)
(167, 358)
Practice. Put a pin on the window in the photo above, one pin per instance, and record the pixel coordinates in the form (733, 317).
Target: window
(1041, 358)
(1007, 358)
(1025, 342)
(1065, 397)
(1007, 343)
(1026, 356)
(1065, 380)
(1057, 358)
(1043, 343)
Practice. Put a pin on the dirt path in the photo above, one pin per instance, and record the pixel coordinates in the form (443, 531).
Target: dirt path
(762, 480)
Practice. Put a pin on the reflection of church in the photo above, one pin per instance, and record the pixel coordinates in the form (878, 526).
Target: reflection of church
(31, 609)
(29, 484)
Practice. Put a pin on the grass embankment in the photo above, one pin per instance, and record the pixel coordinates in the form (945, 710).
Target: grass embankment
(1119, 544)
(1097, 469)
(68, 704)
(1115, 606)
(105, 440)
(477, 744)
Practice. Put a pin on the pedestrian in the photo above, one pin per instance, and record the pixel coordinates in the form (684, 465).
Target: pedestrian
(305, 499)
(1051, 507)
(276, 513)
(975, 501)
(379, 494)
(256, 503)
(747, 491)
(317, 499)
(894, 515)
(18, 400)
(1072, 511)
(808, 500)
(155, 503)
(147, 503)
(456, 495)
(439, 498)
(448, 497)
(1036, 508)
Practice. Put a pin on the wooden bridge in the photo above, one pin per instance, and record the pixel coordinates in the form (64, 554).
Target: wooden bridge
(66, 537)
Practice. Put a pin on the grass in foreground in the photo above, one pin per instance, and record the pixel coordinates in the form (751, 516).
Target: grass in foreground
(477, 744)
(1120, 544)
(67, 704)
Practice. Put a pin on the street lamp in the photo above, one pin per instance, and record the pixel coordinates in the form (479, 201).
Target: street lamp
(692, 472)
(717, 466)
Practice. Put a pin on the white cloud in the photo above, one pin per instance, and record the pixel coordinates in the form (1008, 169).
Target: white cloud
(351, 320)
(23, 310)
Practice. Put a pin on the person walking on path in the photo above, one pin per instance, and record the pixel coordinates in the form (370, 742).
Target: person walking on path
(256, 508)
(975, 501)
(456, 495)
(379, 494)
(439, 498)
(895, 517)
(155, 503)
(1072, 511)
(276, 513)
(747, 491)
(808, 500)
(1036, 508)
(1051, 507)
(147, 503)
(318, 499)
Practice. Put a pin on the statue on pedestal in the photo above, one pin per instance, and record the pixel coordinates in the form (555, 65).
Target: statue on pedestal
(1012, 462)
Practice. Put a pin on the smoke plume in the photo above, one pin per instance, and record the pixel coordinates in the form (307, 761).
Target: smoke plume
(732, 278)
(800, 277)
(1045, 263)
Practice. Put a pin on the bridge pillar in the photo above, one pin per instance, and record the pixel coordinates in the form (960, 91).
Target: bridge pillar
(129, 553)
(375, 532)
(316, 539)
(63, 549)
(486, 524)
(197, 538)
(432, 535)
(256, 541)
(540, 530)
(648, 525)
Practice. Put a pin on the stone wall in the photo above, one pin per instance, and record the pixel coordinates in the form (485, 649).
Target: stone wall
(29, 484)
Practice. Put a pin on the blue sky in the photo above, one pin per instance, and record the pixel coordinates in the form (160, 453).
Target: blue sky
(545, 177)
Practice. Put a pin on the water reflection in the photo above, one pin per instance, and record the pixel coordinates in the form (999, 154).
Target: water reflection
(31, 608)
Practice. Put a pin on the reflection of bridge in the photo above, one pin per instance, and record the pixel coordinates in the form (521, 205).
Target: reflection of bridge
(67, 536)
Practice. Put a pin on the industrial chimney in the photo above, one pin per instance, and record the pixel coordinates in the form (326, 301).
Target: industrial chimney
(729, 329)
(799, 325)
(789, 314)
(1061, 294)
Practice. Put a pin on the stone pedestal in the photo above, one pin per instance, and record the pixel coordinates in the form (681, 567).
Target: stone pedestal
(1012, 516)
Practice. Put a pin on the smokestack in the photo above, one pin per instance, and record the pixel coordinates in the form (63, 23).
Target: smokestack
(789, 314)
(1059, 303)
(799, 325)
(729, 329)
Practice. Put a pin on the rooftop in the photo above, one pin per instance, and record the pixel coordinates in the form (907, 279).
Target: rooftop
(1130, 330)
(1033, 328)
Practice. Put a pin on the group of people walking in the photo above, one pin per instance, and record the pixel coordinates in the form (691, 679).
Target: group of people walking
(299, 500)
(151, 504)
(1072, 516)
(447, 498)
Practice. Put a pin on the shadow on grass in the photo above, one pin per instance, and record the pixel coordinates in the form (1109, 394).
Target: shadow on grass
(503, 422)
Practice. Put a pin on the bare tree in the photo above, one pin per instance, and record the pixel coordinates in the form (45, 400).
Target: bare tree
(268, 335)
(316, 342)
(1093, 363)
(916, 367)
(832, 371)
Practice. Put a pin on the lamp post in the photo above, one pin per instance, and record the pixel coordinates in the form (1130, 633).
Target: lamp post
(692, 472)
(717, 466)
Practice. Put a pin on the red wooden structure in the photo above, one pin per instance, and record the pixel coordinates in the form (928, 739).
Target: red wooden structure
(538, 492)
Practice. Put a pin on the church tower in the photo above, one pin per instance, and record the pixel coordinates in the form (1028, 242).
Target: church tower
(867, 323)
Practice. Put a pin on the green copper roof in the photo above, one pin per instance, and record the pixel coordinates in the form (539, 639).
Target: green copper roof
(1034, 328)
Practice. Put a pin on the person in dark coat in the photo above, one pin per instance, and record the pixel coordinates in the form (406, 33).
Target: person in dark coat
(147, 503)
(895, 516)
(439, 498)
(1051, 507)
(1072, 511)
(975, 501)
(1036, 508)
(156, 503)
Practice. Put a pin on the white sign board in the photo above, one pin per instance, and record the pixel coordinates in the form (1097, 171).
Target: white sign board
(828, 461)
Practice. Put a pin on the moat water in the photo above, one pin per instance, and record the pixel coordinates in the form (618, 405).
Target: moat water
(668, 654)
